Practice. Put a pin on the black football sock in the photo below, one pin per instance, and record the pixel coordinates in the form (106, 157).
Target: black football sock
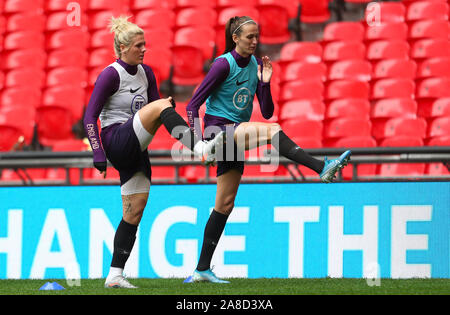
(123, 243)
(289, 149)
(213, 230)
(178, 128)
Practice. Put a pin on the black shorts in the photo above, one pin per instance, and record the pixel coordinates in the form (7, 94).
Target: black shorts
(229, 157)
(123, 150)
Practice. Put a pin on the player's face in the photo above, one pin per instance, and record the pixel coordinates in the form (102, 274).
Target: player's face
(135, 54)
(247, 41)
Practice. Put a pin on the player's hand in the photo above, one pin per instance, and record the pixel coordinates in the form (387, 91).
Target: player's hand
(101, 167)
(266, 74)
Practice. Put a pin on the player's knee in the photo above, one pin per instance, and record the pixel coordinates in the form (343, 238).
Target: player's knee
(274, 128)
(227, 205)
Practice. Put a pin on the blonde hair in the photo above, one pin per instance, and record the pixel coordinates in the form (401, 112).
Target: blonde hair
(124, 32)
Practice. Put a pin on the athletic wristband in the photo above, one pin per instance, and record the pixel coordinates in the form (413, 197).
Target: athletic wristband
(101, 166)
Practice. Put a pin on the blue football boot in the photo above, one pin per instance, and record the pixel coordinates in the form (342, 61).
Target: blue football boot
(332, 166)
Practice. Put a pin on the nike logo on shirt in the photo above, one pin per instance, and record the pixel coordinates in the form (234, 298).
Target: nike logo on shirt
(134, 91)
(239, 83)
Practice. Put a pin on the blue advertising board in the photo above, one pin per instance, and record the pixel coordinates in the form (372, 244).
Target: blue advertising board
(357, 230)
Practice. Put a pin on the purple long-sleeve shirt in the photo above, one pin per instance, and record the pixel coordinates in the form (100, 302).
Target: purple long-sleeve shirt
(214, 78)
(107, 84)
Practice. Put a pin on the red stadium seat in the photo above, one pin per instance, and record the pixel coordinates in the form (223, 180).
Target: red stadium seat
(57, 21)
(54, 123)
(160, 60)
(435, 108)
(16, 122)
(301, 90)
(25, 77)
(101, 57)
(273, 31)
(223, 4)
(71, 145)
(201, 37)
(257, 115)
(23, 6)
(2, 23)
(439, 127)
(434, 67)
(387, 31)
(194, 16)
(433, 88)
(428, 29)
(187, 62)
(437, 169)
(101, 39)
(430, 48)
(354, 69)
(348, 107)
(387, 49)
(304, 71)
(424, 10)
(402, 141)
(343, 31)
(347, 89)
(102, 5)
(401, 169)
(363, 170)
(385, 12)
(356, 142)
(188, 57)
(138, 5)
(394, 107)
(66, 39)
(67, 95)
(74, 57)
(156, 18)
(34, 58)
(314, 11)
(301, 51)
(345, 127)
(304, 128)
(181, 4)
(76, 77)
(26, 21)
(307, 142)
(439, 141)
(393, 88)
(62, 5)
(192, 173)
(400, 126)
(342, 50)
(158, 38)
(394, 68)
(20, 97)
(303, 109)
(24, 40)
(98, 20)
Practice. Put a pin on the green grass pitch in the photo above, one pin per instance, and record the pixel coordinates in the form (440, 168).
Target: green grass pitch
(305, 286)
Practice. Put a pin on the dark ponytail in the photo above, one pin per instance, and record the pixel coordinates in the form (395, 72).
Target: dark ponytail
(231, 27)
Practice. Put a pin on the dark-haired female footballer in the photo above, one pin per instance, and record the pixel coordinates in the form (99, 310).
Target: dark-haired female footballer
(229, 89)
